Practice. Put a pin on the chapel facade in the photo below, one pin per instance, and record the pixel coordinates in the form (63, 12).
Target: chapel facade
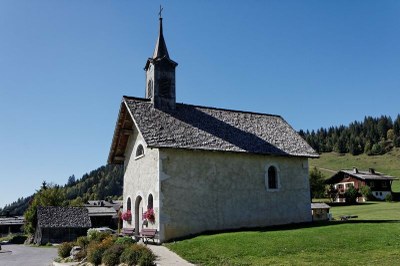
(201, 168)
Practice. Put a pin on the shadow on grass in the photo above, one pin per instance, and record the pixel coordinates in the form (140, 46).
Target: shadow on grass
(285, 227)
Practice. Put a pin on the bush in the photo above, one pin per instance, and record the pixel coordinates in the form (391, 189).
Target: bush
(112, 254)
(82, 241)
(388, 198)
(351, 195)
(93, 234)
(131, 254)
(126, 241)
(96, 249)
(366, 192)
(64, 249)
(17, 239)
(147, 257)
(94, 253)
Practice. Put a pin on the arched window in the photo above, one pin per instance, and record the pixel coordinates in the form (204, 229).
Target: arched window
(139, 150)
(150, 202)
(272, 182)
(128, 204)
(272, 178)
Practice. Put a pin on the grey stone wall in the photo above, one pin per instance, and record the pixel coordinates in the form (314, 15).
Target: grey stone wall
(203, 190)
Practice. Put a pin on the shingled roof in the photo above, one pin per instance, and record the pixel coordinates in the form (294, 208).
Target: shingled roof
(63, 217)
(371, 174)
(205, 128)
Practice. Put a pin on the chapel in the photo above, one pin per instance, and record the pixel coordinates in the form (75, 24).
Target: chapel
(190, 169)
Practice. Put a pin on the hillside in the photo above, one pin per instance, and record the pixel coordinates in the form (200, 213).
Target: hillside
(388, 163)
(103, 183)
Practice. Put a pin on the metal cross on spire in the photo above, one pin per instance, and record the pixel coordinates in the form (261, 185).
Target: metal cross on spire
(159, 13)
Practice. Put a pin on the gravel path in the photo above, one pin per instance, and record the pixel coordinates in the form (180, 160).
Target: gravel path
(166, 257)
(18, 255)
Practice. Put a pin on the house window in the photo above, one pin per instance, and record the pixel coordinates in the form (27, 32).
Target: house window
(384, 184)
(139, 151)
(372, 184)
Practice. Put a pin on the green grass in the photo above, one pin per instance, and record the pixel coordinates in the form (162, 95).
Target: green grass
(369, 211)
(388, 163)
(371, 239)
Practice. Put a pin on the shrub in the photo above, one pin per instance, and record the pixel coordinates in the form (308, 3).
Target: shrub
(96, 248)
(147, 257)
(82, 241)
(94, 253)
(17, 239)
(64, 249)
(351, 195)
(126, 241)
(131, 254)
(366, 192)
(388, 197)
(112, 254)
(93, 234)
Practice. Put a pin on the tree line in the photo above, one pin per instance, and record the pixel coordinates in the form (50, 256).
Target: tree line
(373, 136)
(106, 182)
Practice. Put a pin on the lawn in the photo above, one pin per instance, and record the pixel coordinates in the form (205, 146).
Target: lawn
(364, 241)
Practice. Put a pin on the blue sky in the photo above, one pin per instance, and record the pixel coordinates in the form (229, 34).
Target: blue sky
(66, 64)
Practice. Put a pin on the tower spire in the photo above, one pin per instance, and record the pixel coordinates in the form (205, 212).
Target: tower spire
(160, 75)
(161, 48)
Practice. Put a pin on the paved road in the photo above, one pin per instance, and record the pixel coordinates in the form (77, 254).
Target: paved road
(20, 255)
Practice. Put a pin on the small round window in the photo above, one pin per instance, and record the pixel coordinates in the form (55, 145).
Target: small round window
(139, 150)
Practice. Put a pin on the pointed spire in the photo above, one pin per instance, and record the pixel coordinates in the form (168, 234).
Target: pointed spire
(161, 48)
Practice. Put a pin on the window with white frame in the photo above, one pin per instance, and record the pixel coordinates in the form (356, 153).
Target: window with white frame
(139, 151)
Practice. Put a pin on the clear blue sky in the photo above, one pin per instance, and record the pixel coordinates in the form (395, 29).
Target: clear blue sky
(64, 66)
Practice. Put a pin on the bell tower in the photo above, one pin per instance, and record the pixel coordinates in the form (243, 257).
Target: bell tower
(160, 75)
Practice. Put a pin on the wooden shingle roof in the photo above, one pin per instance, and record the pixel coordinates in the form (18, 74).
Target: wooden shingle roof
(63, 217)
(205, 128)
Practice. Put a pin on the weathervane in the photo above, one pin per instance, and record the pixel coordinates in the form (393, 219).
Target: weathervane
(161, 9)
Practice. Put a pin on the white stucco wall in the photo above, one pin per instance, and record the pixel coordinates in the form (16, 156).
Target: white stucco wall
(203, 190)
(140, 179)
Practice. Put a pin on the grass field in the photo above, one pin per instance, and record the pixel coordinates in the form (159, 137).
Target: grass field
(371, 239)
(388, 163)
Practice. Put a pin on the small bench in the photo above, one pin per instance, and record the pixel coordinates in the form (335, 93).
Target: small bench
(147, 234)
(346, 217)
(128, 231)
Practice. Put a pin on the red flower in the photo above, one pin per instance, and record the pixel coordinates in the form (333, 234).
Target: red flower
(149, 215)
(126, 216)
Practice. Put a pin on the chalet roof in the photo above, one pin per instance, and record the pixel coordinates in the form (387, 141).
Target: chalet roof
(371, 174)
(13, 220)
(116, 204)
(320, 206)
(101, 211)
(206, 128)
(63, 217)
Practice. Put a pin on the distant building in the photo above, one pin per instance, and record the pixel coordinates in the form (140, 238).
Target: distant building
(320, 211)
(11, 224)
(104, 213)
(202, 168)
(380, 184)
(61, 224)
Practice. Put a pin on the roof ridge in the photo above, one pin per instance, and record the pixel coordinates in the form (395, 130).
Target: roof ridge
(207, 107)
(230, 110)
